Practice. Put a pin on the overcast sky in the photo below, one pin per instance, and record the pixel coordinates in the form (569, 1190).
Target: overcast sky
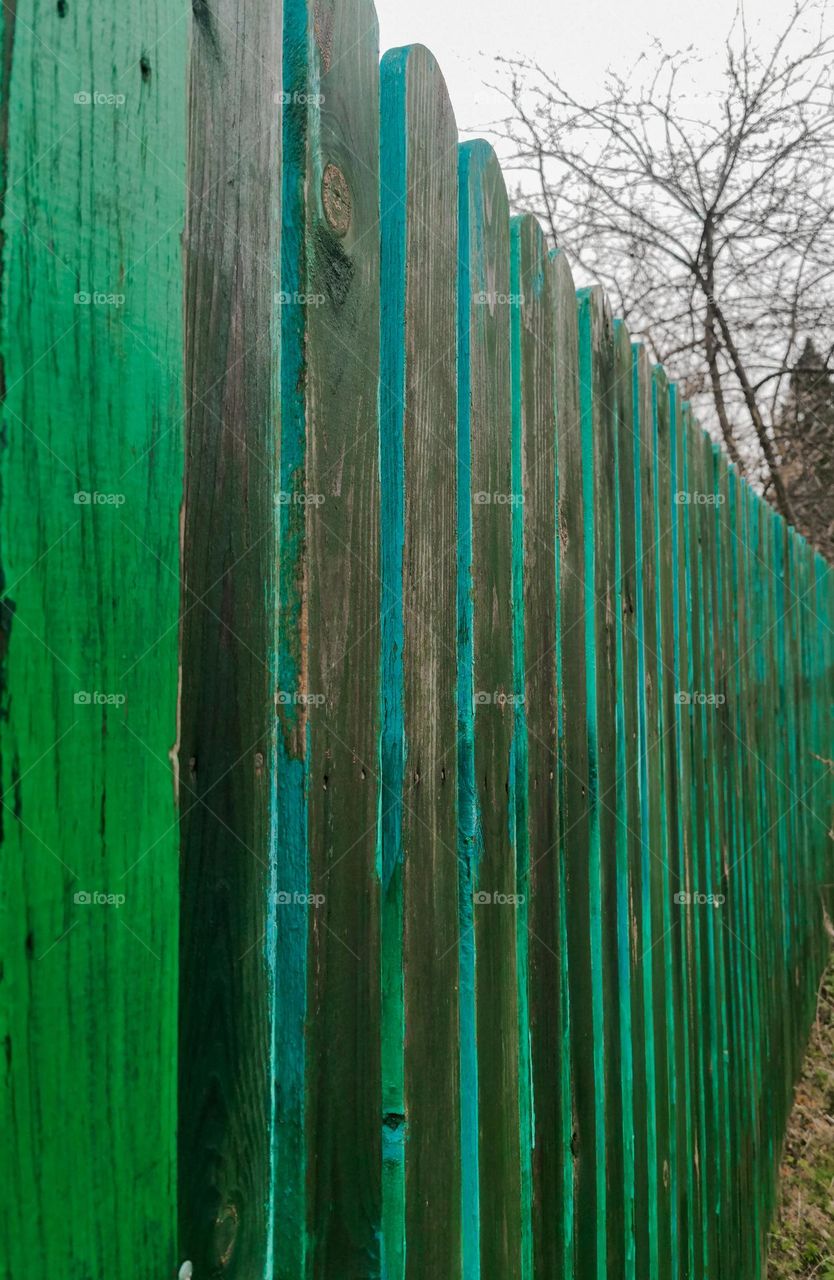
(577, 39)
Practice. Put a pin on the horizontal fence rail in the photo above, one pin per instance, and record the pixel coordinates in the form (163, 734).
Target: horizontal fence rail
(416, 736)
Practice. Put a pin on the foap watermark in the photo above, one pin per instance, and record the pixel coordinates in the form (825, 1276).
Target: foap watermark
(498, 699)
(286, 899)
(96, 99)
(299, 99)
(284, 698)
(700, 899)
(82, 698)
(489, 298)
(685, 698)
(499, 499)
(296, 299)
(696, 499)
(288, 499)
(482, 899)
(91, 498)
(98, 298)
(83, 898)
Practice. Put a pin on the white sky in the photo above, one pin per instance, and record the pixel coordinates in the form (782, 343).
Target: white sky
(577, 40)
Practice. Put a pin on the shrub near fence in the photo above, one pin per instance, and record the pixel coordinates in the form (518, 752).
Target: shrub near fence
(500, 724)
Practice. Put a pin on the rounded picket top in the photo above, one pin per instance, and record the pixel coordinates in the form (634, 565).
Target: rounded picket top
(413, 82)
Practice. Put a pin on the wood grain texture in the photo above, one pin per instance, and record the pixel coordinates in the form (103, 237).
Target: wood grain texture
(329, 1127)
(569, 800)
(534, 399)
(419, 183)
(598, 474)
(573, 797)
(666, 851)
(490, 1146)
(227, 742)
(91, 351)
(648, 1229)
(627, 808)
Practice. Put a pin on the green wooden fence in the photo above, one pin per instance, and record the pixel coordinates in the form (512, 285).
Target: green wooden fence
(416, 738)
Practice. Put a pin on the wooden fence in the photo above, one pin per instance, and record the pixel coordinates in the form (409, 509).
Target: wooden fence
(415, 839)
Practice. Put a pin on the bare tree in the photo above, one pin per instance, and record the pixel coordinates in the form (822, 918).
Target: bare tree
(709, 217)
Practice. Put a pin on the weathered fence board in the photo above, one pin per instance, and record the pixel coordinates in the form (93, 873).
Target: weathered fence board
(500, 730)
(490, 1159)
(226, 763)
(329, 1128)
(538, 889)
(419, 201)
(92, 132)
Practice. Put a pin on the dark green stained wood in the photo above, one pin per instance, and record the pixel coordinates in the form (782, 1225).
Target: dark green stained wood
(574, 780)
(571, 802)
(656, 1115)
(599, 442)
(93, 203)
(419, 849)
(678, 765)
(627, 806)
(490, 1132)
(540, 880)
(671, 945)
(229, 591)
(328, 1144)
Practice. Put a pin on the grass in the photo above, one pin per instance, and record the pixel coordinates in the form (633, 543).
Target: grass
(802, 1238)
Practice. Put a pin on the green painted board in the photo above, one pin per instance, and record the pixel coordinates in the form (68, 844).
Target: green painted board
(599, 440)
(227, 772)
(93, 135)
(329, 1128)
(627, 805)
(669, 950)
(585, 998)
(420, 1010)
(534, 395)
(572, 750)
(489, 1025)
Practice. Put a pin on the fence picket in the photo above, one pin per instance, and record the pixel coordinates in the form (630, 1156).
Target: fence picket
(489, 981)
(421, 1076)
(91, 332)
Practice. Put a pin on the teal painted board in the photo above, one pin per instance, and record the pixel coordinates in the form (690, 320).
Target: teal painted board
(92, 123)
(226, 760)
(662, 663)
(627, 806)
(598, 479)
(574, 782)
(420, 1013)
(329, 1130)
(646, 1067)
(571, 767)
(679, 766)
(535, 406)
(489, 1054)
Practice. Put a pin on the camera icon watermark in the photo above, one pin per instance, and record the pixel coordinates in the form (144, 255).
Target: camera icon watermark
(285, 899)
(498, 699)
(499, 499)
(482, 899)
(98, 298)
(284, 698)
(287, 499)
(96, 899)
(91, 498)
(82, 698)
(697, 699)
(700, 899)
(96, 99)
